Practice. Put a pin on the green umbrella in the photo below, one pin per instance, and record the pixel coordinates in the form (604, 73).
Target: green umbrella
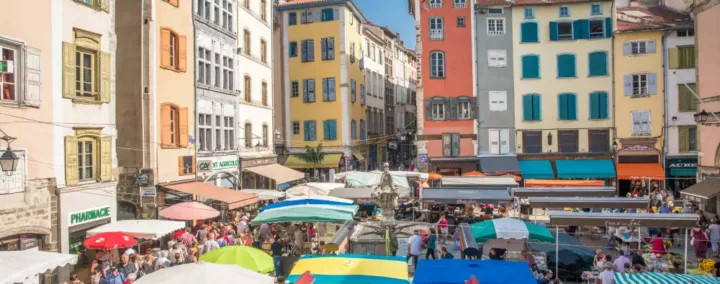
(243, 256)
(509, 228)
(303, 214)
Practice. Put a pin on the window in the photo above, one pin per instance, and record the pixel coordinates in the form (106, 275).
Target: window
(459, 4)
(228, 73)
(599, 140)
(306, 17)
(686, 33)
(639, 84)
(531, 107)
(464, 109)
(86, 158)
(564, 30)
(217, 70)
(437, 64)
(85, 73)
(568, 141)
(362, 94)
(263, 10)
(265, 135)
(353, 90)
(434, 4)
(496, 26)
(328, 14)
(436, 28)
(174, 123)
(263, 51)
(639, 47)
(207, 62)
(308, 54)
(596, 9)
(351, 20)
(246, 42)
(229, 133)
(598, 63)
(8, 70)
(640, 123)
(218, 133)
(294, 89)
(104, 5)
(227, 18)
(567, 107)
(329, 130)
(201, 66)
(295, 127)
(566, 66)
(599, 105)
(292, 19)
(597, 28)
(438, 110)
(499, 141)
(532, 141)
(529, 32)
(308, 91)
(327, 48)
(207, 10)
(248, 89)
(246, 4)
(685, 57)
(186, 165)
(687, 138)
(264, 93)
(248, 135)
(353, 130)
(687, 102)
(292, 49)
(328, 85)
(216, 13)
(461, 22)
(498, 100)
(351, 50)
(363, 130)
(529, 13)
(451, 144)
(564, 11)
(86, 69)
(495, 11)
(530, 66)
(497, 58)
(205, 132)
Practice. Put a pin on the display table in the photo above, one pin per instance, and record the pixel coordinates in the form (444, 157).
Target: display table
(590, 277)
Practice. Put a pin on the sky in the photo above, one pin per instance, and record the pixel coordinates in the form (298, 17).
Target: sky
(393, 14)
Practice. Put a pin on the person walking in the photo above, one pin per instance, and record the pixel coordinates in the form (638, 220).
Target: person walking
(443, 225)
(432, 244)
(699, 243)
(414, 247)
(276, 249)
(714, 236)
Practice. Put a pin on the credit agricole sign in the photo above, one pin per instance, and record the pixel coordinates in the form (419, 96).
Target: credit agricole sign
(89, 215)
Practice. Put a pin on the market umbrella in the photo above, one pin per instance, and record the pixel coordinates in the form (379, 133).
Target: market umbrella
(243, 256)
(189, 211)
(509, 228)
(574, 258)
(351, 268)
(203, 272)
(654, 277)
(305, 213)
(109, 240)
(474, 174)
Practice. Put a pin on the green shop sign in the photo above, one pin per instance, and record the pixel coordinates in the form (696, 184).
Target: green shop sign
(225, 164)
(89, 215)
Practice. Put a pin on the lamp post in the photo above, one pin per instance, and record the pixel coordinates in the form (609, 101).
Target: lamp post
(8, 160)
(701, 117)
(258, 146)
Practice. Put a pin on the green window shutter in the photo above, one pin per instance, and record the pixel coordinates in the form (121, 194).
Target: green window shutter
(608, 27)
(572, 107)
(527, 107)
(536, 107)
(674, 58)
(566, 66)
(530, 67)
(683, 139)
(553, 31)
(683, 100)
(598, 64)
(603, 102)
(594, 106)
(581, 29)
(562, 107)
(529, 32)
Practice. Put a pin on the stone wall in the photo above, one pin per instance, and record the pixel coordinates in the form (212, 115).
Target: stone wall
(127, 191)
(34, 211)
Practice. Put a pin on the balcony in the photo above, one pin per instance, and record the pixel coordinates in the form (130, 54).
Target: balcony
(436, 34)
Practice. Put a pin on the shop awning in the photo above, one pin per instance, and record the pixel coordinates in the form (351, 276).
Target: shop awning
(479, 182)
(683, 172)
(279, 173)
(640, 171)
(266, 194)
(22, 266)
(329, 162)
(563, 218)
(704, 190)
(141, 229)
(588, 202)
(234, 198)
(536, 169)
(464, 196)
(585, 169)
(564, 192)
(499, 164)
(359, 156)
(563, 183)
(364, 195)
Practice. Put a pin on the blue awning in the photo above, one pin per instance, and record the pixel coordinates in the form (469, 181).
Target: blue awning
(598, 169)
(536, 169)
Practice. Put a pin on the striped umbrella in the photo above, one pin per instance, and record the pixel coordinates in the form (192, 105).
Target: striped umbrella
(509, 228)
(351, 268)
(663, 278)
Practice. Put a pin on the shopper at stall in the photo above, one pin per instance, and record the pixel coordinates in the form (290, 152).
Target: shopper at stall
(276, 249)
(637, 259)
(247, 238)
(621, 261)
(414, 247)
(112, 276)
(431, 245)
(125, 267)
(443, 225)
(148, 265)
(187, 238)
(714, 230)
(530, 259)
(445, 254)
(201, 232)
(699, 242)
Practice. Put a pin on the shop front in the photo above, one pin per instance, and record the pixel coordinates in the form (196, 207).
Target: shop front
(82, 209)
(638, 167)
(680, 172)
(222, 171)
(266, 173)
(567, 169)
(317, 170)
(453, 166)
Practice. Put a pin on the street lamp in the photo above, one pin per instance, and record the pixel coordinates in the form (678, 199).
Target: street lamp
(8, 160)
(701, 117)
(258, 146)
(615, 146)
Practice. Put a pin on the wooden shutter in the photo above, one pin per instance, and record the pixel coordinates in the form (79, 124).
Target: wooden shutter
(674, 58)
(455, 145)
(536, 114)
(165, 126)
(527, 107)
(447, 145)
(428, 109)
(683, 98)
(105, 70)
(165, 48)
(636, 118)
(504, 141)
(326, 130)
(608, 27)
(563, 107)
(452, 106)
(683, 139)
(581, 29)
(32, 79)
(628, 85)
(473, 108)
(652, 83)
(182, 53)
(594, 105)
(324, 48)
(106, 158)
(69, 78)
(183, 127)
(604, 109)
(494, 137)
(650, 46)
(627, 48)
(305, 90)
(553, 31)
(572, 107)
(180, 166)
(71, 160)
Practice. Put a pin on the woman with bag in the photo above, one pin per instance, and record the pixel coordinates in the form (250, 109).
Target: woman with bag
(699, 242)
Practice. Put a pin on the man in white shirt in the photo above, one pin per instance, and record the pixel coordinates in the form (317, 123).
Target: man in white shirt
(607, 276)
(414, 247)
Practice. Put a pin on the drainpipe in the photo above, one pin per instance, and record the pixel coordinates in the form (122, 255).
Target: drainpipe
(612, 55)
(665, 98)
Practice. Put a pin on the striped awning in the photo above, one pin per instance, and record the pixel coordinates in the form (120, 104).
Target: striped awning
(663, 278)
(351, 268)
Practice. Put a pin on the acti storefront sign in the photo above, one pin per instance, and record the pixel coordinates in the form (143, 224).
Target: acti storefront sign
(89, 215)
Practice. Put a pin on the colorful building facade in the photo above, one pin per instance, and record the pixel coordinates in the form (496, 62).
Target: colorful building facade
(707, 40)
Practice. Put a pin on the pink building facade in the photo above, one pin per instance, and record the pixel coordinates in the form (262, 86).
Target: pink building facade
(708, 67)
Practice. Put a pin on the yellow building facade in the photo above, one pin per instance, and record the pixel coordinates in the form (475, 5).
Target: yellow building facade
(562, 76)
(325, 86)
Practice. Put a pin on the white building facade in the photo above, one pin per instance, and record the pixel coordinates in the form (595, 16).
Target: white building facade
(216, 92)
(374, 69)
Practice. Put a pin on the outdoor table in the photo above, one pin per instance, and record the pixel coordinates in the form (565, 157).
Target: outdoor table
(590, 276)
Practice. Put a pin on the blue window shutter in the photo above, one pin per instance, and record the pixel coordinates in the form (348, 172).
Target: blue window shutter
(326, 130)
(572, 107)
(650, 46)
(313, 133)
(553, 31)
(594, 105)
(334, 129)
(652, 83)
(536, 107)
(562, 107)
(608, 27)
(306, 131)
(331, 83)
(627, 48)
(305, 90)
(627, 82)
(566, 65)
(531, 66)
(598, 64)
(529, 32)
(527, 107)
(603, 102)
(581, 29)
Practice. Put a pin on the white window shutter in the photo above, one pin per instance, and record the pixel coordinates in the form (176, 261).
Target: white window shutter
(646, 122)
(32, 78)
(502, 58)
(636, 123)
(502, 100)
(504, 141)
(494, 136)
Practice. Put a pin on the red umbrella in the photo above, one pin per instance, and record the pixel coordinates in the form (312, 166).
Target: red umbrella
(189, 211)
(109, 240)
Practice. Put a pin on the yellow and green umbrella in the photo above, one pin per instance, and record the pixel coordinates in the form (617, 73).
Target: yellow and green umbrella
(243, 256)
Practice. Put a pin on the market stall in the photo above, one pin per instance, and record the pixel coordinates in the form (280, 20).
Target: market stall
(352, 268)
(312, 189)
(524, 192)
(454, 271)
(141, 229)
(588, 202)
(666, 278)
(267, 194)
(22, 266)
(492, 182)
(464, 196)
(189, 211)
(203, 272)
(364, 195)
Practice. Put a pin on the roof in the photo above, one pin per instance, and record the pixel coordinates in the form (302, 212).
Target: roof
(493, 2)
(650, 18)
(705, 189)
(291, 4)
(532, 2)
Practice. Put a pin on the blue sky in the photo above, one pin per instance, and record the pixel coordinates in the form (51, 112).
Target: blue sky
(393, 14)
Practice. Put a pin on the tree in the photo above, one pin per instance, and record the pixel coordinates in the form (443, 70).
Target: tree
(312, 155)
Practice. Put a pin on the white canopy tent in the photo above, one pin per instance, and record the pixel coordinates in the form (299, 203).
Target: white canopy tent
(266, 194)
(141, 229)
(313, 189)
(203, 272)
(405, 174)
(21, 266)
